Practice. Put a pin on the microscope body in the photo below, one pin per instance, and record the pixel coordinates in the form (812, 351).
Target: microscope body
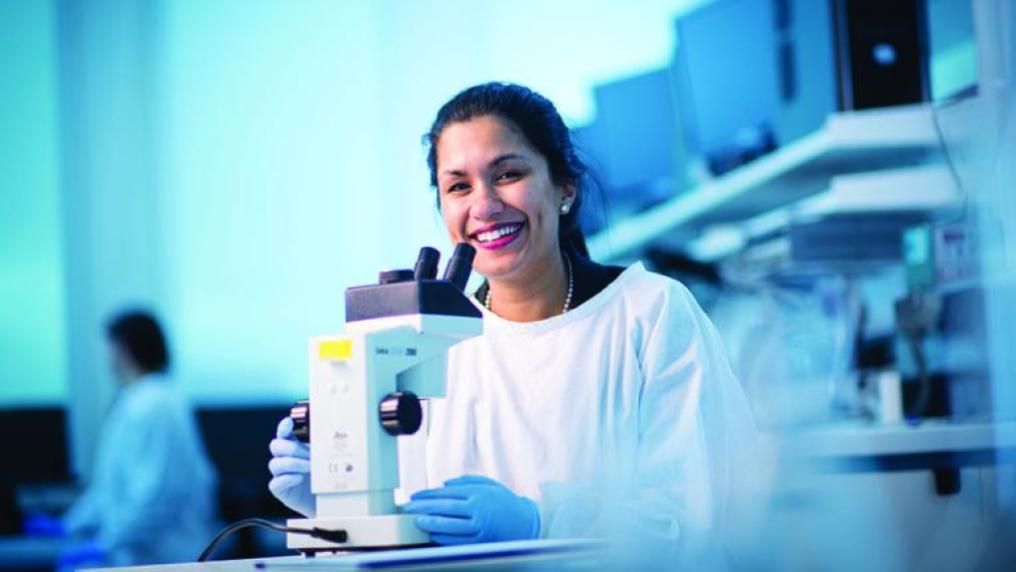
(365, 386)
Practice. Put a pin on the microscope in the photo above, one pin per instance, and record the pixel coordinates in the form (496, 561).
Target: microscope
(365, 390)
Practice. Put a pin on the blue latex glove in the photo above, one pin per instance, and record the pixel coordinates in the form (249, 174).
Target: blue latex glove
(474, 509)
(85, 554)
(40, 524)
(290, 468)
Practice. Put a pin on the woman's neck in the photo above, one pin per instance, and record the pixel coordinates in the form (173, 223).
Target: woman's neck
(537, 296)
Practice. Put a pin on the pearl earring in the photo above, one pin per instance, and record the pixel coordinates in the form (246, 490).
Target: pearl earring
(565, 208)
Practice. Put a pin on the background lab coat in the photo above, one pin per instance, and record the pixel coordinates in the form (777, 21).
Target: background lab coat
(621, 412)
(151, 498)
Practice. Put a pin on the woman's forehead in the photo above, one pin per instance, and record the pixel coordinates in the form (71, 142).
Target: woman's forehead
(478, 142)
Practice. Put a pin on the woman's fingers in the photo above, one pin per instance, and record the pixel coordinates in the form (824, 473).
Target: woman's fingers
(455, 492)
(447, 525)
(439, 507)
(285, 428)
(282, 483)
(288, 466)
(289, 448)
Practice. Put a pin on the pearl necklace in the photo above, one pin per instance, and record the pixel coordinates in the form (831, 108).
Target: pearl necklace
(567, 298)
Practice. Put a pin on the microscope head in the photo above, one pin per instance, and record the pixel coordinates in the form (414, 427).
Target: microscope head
(419, 291)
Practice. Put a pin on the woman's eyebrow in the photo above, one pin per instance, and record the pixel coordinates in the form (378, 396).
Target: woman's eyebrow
(505, 157)
(453, 173)
(500, 159)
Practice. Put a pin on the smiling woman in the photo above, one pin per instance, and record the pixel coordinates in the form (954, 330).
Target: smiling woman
(598, 400)
(509, 182)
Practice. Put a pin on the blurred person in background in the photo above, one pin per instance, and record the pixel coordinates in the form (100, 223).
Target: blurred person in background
(151, 496)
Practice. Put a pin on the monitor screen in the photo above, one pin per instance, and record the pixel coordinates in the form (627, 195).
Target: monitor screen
(726, 68)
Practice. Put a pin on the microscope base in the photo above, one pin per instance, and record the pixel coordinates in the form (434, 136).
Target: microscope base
(364, 532)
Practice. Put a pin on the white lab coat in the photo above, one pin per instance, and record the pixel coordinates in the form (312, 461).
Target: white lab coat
(623, 410)
(151, 498)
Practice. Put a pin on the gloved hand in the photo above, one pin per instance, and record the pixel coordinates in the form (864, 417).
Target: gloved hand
(42, 524)
(85, 554)
(290, 468)
(474, 509)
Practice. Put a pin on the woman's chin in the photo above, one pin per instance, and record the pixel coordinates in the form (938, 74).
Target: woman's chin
(500, 270)
(498, 264)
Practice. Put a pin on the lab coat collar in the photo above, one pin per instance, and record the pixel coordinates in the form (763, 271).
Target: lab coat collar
(591, 306)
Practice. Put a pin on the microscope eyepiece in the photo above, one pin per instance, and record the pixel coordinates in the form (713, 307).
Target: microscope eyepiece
(426, 264)
(460, 265)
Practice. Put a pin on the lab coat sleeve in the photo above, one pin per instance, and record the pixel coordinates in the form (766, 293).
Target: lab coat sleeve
(691, 417)
(154, 487)
(83, 517)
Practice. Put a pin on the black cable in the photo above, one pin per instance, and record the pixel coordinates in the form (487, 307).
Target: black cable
(923, 401)
(946, 154)
(337, 536)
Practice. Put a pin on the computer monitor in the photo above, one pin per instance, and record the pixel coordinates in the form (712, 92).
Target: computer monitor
(236, 439)
(36, 449)
(726, 76)
(635, 143)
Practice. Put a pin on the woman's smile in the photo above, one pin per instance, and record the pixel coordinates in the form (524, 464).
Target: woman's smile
(497, 236)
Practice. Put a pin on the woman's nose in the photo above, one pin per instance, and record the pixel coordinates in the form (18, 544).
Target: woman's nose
(486, 203)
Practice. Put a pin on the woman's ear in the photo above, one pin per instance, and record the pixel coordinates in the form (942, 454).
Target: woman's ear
(568, 196)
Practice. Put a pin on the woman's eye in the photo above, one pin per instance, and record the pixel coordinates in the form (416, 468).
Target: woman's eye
(456, 187)
(509, 176)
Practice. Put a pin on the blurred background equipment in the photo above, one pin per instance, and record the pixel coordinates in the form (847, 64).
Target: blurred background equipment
(41, 464)
(235, 438)
(941, 324)
(726, 73)
(882, 53)
(636, 143)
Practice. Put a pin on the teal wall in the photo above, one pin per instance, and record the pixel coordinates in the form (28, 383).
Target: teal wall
(32, 341)
(292, 156)
(234, 165)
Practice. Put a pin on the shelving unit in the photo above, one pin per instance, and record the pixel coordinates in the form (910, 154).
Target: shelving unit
(848, 143)
(922, 189)
(855, 439)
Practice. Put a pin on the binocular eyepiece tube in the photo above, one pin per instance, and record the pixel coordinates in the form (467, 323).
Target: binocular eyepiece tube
(460, 265)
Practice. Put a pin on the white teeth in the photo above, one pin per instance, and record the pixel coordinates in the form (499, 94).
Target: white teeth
(498, 233)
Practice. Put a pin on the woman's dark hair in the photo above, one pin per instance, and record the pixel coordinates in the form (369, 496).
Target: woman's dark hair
(141, 336)
(542, 127)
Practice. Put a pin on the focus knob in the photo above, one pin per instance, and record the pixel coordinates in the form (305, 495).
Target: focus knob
(401, 413)
(300, 414)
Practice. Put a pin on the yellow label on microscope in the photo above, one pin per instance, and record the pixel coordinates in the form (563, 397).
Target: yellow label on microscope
(336, 350)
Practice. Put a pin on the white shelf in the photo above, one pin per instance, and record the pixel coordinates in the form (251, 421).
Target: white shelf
(861, 440)
(848, 143)
(926, 188)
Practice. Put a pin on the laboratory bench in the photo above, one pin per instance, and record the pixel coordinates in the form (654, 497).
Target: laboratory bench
(531, 555)
(928, 496)
(876, 480)
(24, 553)
(857, 446)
